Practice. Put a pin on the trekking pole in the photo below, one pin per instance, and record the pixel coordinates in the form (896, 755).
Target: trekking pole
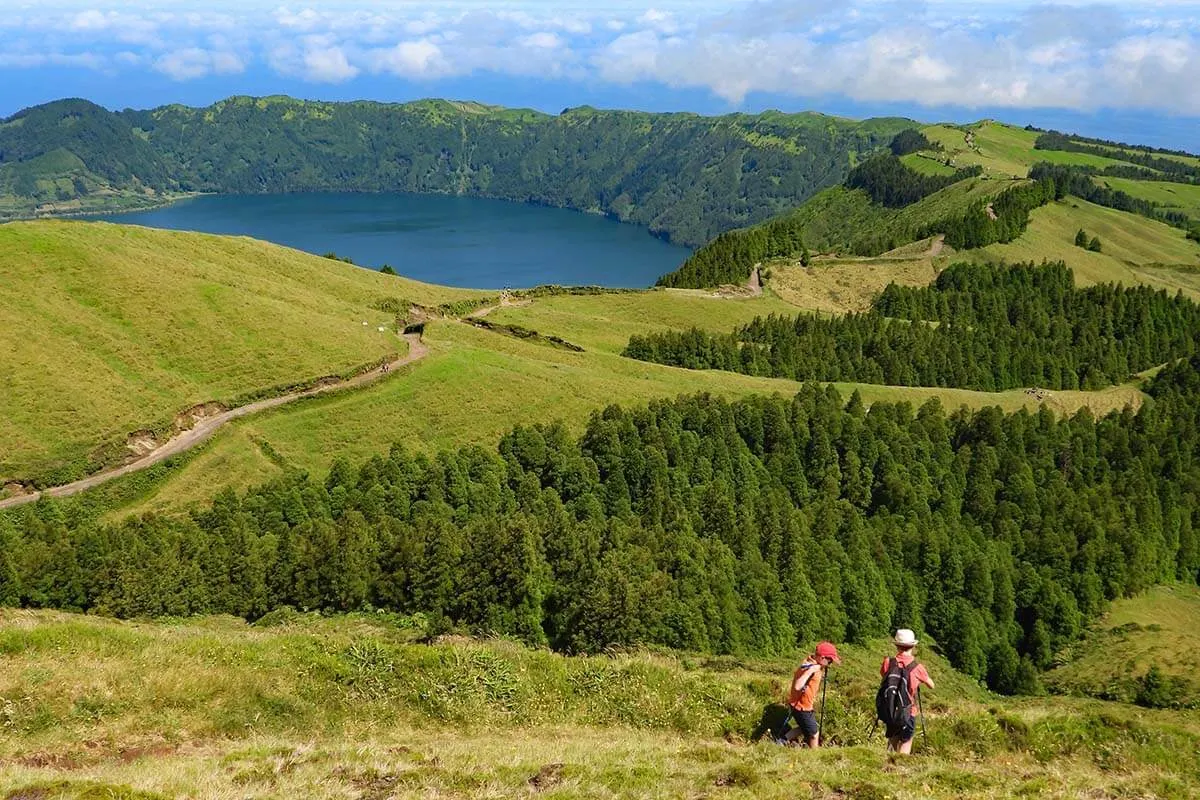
(821, 724)
(920, 705)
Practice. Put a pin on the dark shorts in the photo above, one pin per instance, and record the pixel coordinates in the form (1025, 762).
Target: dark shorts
(806, 721)
(903, 732)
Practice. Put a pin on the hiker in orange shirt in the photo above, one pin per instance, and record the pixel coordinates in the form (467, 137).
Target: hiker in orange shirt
(898, 702)
(802, 695)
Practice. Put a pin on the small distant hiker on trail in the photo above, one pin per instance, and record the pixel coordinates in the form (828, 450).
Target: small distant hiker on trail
(898, 702)
(802, 696)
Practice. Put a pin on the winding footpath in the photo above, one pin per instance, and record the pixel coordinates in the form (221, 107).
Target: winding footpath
(208, 426)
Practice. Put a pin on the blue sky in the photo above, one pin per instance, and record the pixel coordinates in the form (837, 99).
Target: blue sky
(1128, 72)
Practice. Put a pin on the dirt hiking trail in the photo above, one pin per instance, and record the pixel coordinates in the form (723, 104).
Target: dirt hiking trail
(205, 427)
(755, 282)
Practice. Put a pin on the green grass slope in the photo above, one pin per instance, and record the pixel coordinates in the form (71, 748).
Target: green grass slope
(110, 329)
(299, 706)
(134, 325)
(841, 221)
(605, 322)
(1156, 630)
(473, 387)
(476, 385)
(1002, 150)
(1181, 197)
(844, 221)
(1134, 249)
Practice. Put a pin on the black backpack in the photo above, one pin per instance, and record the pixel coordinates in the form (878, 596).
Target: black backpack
(893, 701)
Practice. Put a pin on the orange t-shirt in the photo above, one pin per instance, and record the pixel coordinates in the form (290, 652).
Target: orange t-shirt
(916, 676)
(804, 699)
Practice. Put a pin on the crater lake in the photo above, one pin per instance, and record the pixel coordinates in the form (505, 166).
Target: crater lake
(456, 241)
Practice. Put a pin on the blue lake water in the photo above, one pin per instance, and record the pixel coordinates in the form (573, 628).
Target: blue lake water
(456, 241)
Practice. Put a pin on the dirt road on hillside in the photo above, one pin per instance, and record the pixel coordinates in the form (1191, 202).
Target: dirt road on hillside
(506, 301)
(206, 427)
(755, 283)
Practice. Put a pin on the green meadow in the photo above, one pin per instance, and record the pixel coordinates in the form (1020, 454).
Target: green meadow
(1134, 249)
(1182, 197)
(1156, 630)
(109, 329)
(298, 705)
(134, 326)
(476, 384)
(1002, 150)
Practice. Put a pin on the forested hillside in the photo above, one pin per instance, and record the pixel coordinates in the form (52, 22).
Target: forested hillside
(747, 527)
(977, 326)
(685, 176)
(977, 194)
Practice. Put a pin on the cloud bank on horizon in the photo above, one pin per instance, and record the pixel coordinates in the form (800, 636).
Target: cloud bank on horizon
(996, 55)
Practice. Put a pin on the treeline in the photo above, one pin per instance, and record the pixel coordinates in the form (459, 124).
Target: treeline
(1169, 169)
(868, 229)
(684, 176)
(1002, 219)
(889, 182)
(977, 327)
(751, 527)
(731, 256)
(1113, 143)
(911, 140)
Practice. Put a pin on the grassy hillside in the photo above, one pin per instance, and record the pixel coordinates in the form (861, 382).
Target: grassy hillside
(473, 387)
(112, 329)
(234, 316)
(1002, 150)
(1155, 630)
(605, 322)
(1135, 249)
(476, 385)
(844, 221)
(1181, 197)
(299, 706)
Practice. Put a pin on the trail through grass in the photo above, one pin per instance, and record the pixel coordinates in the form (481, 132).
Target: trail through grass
(1003, 150)
(109, 329)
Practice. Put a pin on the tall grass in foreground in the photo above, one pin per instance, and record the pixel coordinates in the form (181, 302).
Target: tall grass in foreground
(354, 707)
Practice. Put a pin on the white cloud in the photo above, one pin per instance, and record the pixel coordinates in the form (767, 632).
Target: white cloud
(328, 65)
(90, 20)
(196, 62)
(1021, 54)
(543, 40)
(421, 58)
(305, 20)
(26, 60)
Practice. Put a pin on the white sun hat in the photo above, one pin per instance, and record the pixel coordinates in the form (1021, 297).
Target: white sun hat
(905, 638)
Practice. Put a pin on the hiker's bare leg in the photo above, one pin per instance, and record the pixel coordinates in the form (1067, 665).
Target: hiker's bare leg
(906, 747)
(814, 741)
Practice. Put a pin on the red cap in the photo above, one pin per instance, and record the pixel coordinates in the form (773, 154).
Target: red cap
(827, 650)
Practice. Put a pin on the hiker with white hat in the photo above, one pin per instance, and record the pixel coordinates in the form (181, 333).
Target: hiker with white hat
(898, 702)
